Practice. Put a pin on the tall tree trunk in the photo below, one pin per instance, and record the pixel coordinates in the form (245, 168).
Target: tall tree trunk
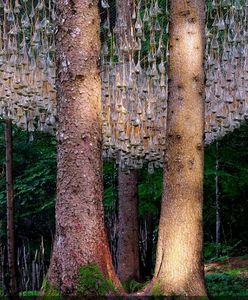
(80, 233)
(13, 288)
(128, 229)
(217, 202)
(179, 267)
(128, 233)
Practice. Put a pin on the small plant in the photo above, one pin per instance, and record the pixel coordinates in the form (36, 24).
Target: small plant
(156, 290)
(48, 290)
(132, 286)
(93, 283)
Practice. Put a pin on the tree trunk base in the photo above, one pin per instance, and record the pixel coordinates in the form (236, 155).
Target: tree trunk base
(161, 287)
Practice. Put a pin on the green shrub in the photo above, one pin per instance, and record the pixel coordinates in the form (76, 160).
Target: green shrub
(132, 286)
(227, 284)
(218, 252)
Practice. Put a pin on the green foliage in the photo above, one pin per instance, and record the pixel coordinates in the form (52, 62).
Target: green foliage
(227, 284)
(131, 286)
(157, 290)
(220, 252)
(48, 290)
(34, 173)
(150, 191)
(30, 294)
(93, 283)
(233, 178)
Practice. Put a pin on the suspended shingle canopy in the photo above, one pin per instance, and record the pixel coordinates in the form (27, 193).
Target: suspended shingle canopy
(27, 70)
(226, 67)
(134, 73)
(135, 93)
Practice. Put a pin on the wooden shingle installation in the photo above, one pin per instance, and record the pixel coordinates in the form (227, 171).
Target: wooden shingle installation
(134, 74)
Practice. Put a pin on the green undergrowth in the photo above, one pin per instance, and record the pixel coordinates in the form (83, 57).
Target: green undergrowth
(219, 252)
(132, 286)
(92, 282)
(48, 291)
(156, 290)
(30, 294)
(230, 283)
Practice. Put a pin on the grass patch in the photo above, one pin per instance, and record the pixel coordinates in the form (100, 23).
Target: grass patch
(227, 284)
(30, 294)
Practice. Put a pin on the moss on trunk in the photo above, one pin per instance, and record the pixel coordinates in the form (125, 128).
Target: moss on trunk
(92, 282)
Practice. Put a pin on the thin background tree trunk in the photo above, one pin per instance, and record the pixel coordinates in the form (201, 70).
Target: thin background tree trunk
(80, 232)
(10, 210)
(179, 265)
(128, 229)
(217, 202)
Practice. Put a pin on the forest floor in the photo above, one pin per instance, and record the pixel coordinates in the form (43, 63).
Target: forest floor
(240, 262)
(228, 277)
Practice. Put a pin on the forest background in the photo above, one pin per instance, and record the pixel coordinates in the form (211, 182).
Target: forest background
(35, 185)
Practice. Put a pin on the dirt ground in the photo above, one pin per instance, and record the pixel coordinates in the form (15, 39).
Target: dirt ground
(228, 265)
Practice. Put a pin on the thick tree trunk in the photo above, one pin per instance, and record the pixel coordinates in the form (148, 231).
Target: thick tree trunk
(80, 233)
(128, 229)
(13, 288)
(179, 267)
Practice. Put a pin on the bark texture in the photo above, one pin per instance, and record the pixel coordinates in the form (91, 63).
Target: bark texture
(128, 229)
(80, 232)
(13, 288)
(179, 267)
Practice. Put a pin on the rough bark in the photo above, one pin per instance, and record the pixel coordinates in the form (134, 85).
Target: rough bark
(128, 229)
(179, 267)
(80, 233)
(13, 288)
